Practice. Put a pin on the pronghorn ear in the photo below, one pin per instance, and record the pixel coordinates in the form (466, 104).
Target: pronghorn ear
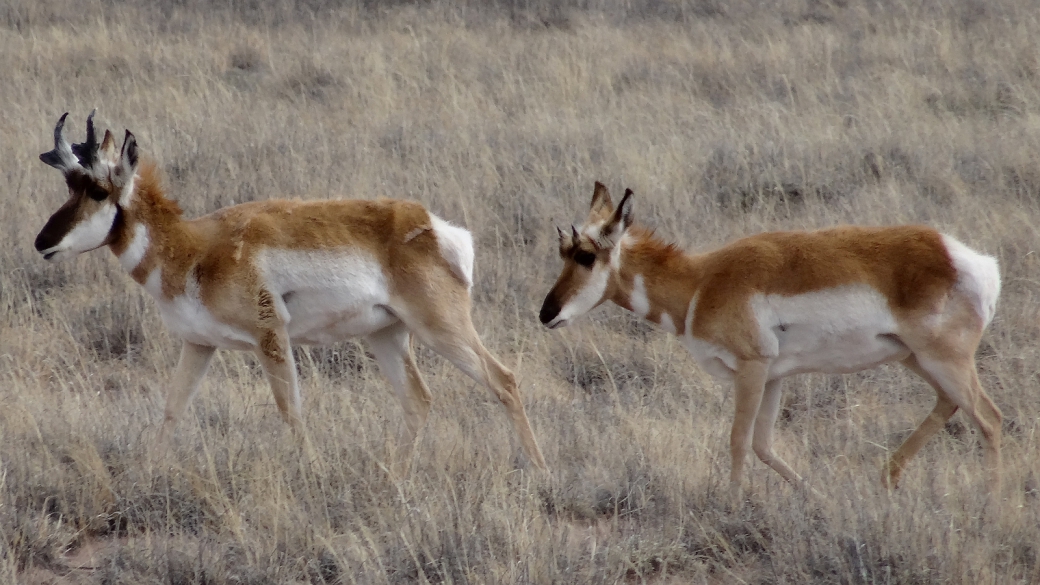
(620, 220)
(601, 203)
(128, 156)
(108, 148)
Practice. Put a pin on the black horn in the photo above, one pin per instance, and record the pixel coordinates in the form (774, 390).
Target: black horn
(87, 152)
(61, 157)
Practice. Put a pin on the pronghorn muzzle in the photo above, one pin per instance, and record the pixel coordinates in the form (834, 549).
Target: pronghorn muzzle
(550, 309)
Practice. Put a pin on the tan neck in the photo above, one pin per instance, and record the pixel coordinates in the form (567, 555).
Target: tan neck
(657, 281)
(151, 227)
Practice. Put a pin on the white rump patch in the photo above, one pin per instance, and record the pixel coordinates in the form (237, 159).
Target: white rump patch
(456, 246)
(85, 235)
(978, 275)
(137, 248)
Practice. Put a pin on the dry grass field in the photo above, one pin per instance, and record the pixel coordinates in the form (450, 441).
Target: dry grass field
(726, 118)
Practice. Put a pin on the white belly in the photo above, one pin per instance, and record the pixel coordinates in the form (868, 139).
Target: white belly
(327, 296)
(839, 330)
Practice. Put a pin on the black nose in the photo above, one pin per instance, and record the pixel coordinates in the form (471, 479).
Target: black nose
(46, 239)
(56, 228)
(550, 309)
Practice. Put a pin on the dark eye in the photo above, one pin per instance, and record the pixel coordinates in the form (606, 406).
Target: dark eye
(586, 259)
(96, 193)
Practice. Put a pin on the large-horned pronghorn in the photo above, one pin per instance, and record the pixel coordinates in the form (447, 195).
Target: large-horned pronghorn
(776, 304)
(260, 276)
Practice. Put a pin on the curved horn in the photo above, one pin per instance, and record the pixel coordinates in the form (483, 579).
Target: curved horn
(61, 157)
(574, 234)
(59, 137)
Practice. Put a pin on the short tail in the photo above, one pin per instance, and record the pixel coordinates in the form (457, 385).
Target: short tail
(456, 246)
(978, 275)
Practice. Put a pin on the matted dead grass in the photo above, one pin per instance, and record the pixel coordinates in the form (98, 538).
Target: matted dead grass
(725, 118)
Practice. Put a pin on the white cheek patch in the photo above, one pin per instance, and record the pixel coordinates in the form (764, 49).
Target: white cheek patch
(588, 297)
(135, 252)
(87, 234)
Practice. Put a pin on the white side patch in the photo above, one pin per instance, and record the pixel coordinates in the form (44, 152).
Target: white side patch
(135, 252)
(978, 275)
(639, 300)
(86, 235)
(325, 296)
(456, 246)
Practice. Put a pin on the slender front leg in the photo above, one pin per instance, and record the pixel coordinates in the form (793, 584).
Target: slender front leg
(749, 382)
(275, 355)
(191, 367)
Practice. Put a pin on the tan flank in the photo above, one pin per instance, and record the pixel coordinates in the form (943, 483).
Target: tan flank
(260, 276)
(775, 304)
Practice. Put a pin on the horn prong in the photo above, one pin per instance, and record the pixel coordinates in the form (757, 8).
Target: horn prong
(58, 136)
(87, 152)
(91, 137)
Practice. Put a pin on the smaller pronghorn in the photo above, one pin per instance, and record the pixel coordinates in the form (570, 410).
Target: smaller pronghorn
(776, 304)
(259, 276)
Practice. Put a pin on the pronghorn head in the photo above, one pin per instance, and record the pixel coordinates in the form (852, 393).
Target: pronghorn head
(591, 257)
(99, 179)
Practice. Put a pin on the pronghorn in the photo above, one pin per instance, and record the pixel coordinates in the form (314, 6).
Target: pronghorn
(260, 276)
(775, 304)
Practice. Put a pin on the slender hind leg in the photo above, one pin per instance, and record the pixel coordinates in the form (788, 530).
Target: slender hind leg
(393, 351)
(957, 384)
(944, 409)
(449, 332)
